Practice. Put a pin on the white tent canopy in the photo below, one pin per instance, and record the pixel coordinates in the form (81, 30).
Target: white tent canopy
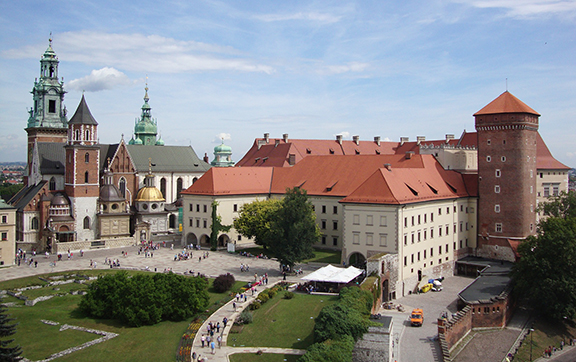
(332, 274)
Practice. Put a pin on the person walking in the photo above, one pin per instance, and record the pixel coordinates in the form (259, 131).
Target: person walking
(219, 339)
(213, 347)
(203, 339)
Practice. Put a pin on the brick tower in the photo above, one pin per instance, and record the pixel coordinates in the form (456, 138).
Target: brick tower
(82, 171)
(507, 133)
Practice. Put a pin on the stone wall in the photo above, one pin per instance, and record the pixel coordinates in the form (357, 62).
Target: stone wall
(375, 345)
(75, 246)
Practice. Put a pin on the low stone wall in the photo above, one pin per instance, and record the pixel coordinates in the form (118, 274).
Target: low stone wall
(76, 246)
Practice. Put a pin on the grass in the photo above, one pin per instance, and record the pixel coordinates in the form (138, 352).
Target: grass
(265, 357)
(284, 323)
(545, 334)
(38, 340)
(320, 255)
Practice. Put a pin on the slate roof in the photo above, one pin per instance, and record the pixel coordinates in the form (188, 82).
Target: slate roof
(506, 103)
(166, 158)
(52, 158)
(82, 114)
(25, 195)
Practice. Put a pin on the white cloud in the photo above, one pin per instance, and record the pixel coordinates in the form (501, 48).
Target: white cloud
(101, 79)
(220, 137)
(526, 8)
(311, 16)
(344, 134)
(350, 67)
(137, 52)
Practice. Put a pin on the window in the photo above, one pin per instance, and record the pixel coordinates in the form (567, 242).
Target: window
(412, 220)
(431, 217)
(369, 239)
(335, 210)
(77, 135)
(412, 237)
(52, 184)
(424, 254)
(412, 258)
(488, 158)
(405, 222)
(418, 219)
(439, 230)
(405, 239)
(335, 241)
(498, 227)
(163, 188)
(323, 209)
(191, 207)
(51, 106)
(447, 211)
(431, 252)
(197, 207)
(383, 221)
(197, 223)
(191, 222)
(447, 230)
(335, 225)
(122, 187)
(418, 256)
(503, 158)
(178, 187)
(496, 208)
(439, 211)
(323, 223)
(369, 220)
(4, 219)
(205, 223)
(419, 236)
(425, 218)
(488, 142)
(546, 190)
(447, 248)
(86, 177)
(86, 222)
(356, 238)
(4, 236)
(555, 190)
(356, 219)
(497, 189)
(431, 233)
(439, 250)
(383, 240)
(405, 261)
(205, 208)
(235, 207)
(323, 239)
(425, 232)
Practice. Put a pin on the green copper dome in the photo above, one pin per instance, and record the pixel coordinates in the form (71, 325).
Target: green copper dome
(222, 149)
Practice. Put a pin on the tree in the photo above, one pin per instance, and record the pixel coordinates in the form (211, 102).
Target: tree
(293, 228)
(7, 329)
(217, 227)
(330, 351)
(546, 271)
(255, 220)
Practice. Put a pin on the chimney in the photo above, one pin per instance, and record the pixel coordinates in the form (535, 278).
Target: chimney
(266, 137)
(377, 140)
(339, 139)
(404, 140)
(409, 155)
(206, 159)
(449, 137)
(285, 137)
(292, 159)
(388, 166)
(356, 140)
(420, 139)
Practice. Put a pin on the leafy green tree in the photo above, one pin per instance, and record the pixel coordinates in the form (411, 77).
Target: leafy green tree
(338, 319)
(7, 329)
(293, 229)
(546, 271)
(217, 227)
(358, 299)
(255, 220)
(339, 350)
(8, 190)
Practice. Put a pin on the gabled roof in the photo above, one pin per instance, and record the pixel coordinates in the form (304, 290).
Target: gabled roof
(506, 103)
(233, 181)
(52, 158)
(544, 158)
(25, 195)
(406, 185)
(82, 114)
(166, 158)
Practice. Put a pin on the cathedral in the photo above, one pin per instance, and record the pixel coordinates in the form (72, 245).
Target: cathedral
(80, 193)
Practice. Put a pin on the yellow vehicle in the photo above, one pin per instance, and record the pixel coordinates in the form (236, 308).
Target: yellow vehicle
(417, 317)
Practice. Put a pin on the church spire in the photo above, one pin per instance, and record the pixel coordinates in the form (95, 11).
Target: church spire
(146, 128)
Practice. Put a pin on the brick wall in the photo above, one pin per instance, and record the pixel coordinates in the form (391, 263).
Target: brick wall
(455, 328)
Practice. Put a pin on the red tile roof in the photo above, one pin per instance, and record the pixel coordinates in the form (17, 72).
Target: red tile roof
(233, 181)
(506, 103)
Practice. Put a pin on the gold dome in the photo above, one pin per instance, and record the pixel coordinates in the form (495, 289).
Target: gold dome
(150, 194)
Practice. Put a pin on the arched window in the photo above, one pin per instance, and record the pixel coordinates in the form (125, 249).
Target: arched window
(34, 224)
(87, 137)
(163, 186)
(194, 180)
(178, 187)
(122, 187)
(86, 222)
(86, 177)
(87, 157)
(77, 135)
(52, 184)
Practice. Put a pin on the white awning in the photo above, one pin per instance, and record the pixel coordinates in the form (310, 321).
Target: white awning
(332, 274)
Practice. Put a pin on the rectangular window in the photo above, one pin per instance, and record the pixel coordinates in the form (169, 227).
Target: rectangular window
(369, 220)
(197, 223)
(461, 226)
(383, 221)
(205, 223)
(424, 254)
(323, 209)
(440, 250)
(418, 256)
(205, 208)
(425, 232)
(197, 207)
(412, 237)
(405, 239)
(447, 230)
(497, 189)
(369, 239)
(323, 223)
(405, 222)
(4, 236)
(496, 208)
(323, 239)
(51, 106)
(418, 219)
(431, 252)
(235, 207)
(498, 173)
(356, 238)
(383, 240)
(431, 217)
(356, 219)
(425, 215)
(431, 233)
(446, 247)
(191, 222)
(4, 219)
(555, 190)
(460, 244)
(335, 241)
(412, 220)
(447, 210)
(405, 261)
(546, 190)
(439, 211)
(412, 257)
(439, 230)
(419, 236)
(335, 225)
(191, 207)
(455, 228)
(498, 227)
(335, 210)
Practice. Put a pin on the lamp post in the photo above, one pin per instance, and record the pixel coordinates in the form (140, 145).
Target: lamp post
(531, 331)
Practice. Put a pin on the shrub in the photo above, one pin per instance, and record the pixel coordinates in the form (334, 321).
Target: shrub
(288, 295)
(223, 282)
(263, 298)
(271, 293)
(245, 317)
(330, 350)
(338, 319)
(255, 305)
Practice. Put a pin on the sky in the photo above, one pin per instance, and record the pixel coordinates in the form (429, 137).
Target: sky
(230, 71)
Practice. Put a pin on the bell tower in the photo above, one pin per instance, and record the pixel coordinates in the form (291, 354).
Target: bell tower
(507, 133)
(47, 120)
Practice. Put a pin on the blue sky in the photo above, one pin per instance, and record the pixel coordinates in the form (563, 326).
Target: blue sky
(313, 69)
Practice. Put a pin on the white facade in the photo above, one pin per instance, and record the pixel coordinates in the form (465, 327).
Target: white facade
(85, 207)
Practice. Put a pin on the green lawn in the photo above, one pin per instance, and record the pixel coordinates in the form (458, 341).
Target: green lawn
(545, 334)
(265, 357)
(38, 340)
(285, 323)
